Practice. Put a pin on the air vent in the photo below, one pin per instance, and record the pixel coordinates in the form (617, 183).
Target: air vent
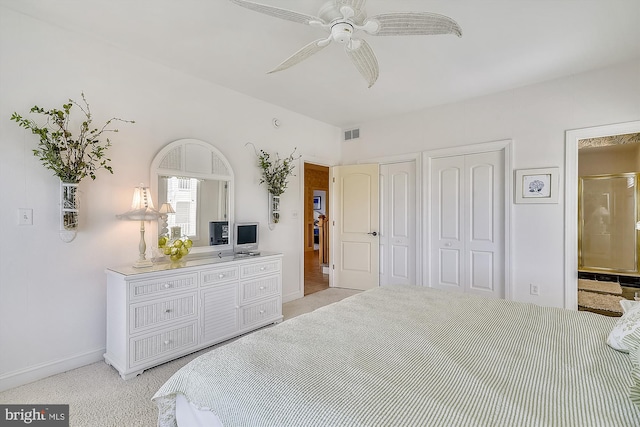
(351, 134)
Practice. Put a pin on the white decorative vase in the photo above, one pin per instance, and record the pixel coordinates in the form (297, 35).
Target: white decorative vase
(69, 210)
(274, 208)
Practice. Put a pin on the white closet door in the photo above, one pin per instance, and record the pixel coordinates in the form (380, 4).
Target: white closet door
(398, 224)
(484, 225)
(447, 245)
(467, 205)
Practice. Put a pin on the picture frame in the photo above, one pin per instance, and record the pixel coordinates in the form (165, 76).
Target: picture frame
(540, 185)
(317, 202)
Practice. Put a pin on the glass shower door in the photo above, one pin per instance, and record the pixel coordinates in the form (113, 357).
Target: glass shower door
(608, 219)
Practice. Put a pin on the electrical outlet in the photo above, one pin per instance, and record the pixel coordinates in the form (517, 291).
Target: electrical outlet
(25, 216)
(534, 289)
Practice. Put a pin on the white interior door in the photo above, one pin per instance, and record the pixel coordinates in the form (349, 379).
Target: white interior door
(447, 219)
(467, 228)
(355, 255)
(398, 224)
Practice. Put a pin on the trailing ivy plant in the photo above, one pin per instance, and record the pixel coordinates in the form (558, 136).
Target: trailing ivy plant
(71, 158)
(275, 170)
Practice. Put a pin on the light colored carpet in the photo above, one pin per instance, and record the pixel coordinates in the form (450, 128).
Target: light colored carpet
(600, 301)
(98, 397)
(600, 295)
(600, 286)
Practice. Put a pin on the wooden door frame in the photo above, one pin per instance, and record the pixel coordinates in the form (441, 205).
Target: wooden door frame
(427, 156)
(571, 200)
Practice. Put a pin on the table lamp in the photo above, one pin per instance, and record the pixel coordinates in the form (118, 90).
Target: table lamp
(142, 210)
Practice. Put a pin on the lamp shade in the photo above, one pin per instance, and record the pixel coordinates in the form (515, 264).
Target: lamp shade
(166, 208)
(142, 208)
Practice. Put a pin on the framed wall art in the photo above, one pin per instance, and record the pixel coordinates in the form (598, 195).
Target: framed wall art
(537, 185)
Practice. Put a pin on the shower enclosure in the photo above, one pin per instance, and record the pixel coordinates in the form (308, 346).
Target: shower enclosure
(608, 223)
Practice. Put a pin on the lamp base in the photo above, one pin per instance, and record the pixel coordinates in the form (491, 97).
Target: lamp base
(143, 263)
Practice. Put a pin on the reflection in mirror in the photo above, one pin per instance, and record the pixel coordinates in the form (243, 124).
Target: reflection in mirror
(197, 181)
(197, 204)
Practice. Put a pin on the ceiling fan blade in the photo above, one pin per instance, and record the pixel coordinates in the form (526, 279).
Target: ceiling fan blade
(356, 5)
(310, 49)
(286, 14)
(364, 59)
(411, 24)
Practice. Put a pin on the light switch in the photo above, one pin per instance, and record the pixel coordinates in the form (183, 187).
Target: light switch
(25, 216)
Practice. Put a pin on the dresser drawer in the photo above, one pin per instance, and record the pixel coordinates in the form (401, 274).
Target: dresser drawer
(218, 275)
(162, 285)
(255, 289)
(259, 268)
(157, 345)
(144, 315)
(260, 312)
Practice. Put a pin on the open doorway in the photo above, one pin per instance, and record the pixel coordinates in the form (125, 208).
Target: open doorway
(608, 259)
(572, 144)
(316, 228)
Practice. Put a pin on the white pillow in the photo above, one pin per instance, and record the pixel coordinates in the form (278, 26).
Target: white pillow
(626, 325)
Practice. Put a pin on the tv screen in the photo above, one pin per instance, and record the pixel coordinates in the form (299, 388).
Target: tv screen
(218, 233)
(246, 237)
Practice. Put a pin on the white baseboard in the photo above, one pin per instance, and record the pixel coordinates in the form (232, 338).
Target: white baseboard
(292, 296)
(44, 370)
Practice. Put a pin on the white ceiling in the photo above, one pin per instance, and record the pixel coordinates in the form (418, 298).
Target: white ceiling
(505, 44)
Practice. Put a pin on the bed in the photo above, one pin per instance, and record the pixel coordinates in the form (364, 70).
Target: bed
(404, 356)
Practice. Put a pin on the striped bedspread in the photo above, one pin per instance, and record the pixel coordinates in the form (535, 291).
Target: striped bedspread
(413, 356)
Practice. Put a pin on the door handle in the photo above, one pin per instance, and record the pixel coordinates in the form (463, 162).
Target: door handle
(373, 233)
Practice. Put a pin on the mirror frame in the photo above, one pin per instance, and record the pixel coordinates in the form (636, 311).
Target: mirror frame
(172, 160)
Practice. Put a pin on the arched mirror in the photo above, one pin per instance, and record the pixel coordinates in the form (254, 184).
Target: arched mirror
(196, 181)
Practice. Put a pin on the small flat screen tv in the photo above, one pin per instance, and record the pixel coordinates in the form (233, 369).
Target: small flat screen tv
(218, 233)
(246, 237)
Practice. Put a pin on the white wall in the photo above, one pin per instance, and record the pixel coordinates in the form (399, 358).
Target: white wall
(52, 294)
(535, 118)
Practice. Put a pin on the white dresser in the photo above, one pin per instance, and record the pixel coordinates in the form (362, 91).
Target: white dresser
(160, 313)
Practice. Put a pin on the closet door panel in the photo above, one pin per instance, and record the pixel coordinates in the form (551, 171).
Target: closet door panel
(484, 235)
(447, 176)
(467, 223)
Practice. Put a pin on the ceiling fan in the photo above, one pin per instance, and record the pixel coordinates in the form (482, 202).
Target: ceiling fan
(342, 18)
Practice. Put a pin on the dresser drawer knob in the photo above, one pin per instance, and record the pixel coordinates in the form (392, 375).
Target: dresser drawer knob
(167, 286)
(261, 312)
(167, 342)
(262, 288)
(168, 310)
(221, 275)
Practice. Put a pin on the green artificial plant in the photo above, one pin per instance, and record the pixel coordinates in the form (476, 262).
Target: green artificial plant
(276, 171)
(70, 157)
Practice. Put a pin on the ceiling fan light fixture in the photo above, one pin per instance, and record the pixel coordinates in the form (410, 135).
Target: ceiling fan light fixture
(342, 32)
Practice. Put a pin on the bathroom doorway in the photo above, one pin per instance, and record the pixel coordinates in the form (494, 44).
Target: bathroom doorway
(604, 143)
